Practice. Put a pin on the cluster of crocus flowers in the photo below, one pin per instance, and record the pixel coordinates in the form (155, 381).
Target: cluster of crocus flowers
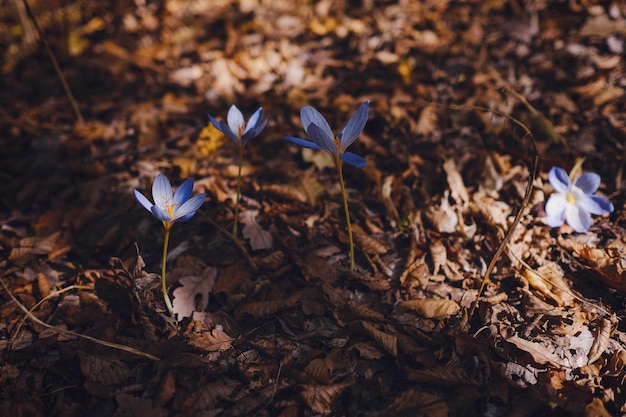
(316, 126)
(240, 131)
(574, 201)
(170, 208)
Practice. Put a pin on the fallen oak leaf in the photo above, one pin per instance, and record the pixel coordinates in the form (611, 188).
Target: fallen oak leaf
(184, 303)
(259, 239)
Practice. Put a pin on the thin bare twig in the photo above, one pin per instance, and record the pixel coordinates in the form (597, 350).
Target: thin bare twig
(66, 87)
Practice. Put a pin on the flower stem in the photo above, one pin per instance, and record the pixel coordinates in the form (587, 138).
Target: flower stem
(166, 297)
(347, 211)
(238, 196)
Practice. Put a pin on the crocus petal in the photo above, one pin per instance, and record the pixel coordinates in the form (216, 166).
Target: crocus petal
(559, 179)
(355, 126)
(183, 192)
(190, 206)
(605, 205)
(254, 120)
(143, 201)
(235, 120)
(555, 210)
(322, 139)
(162, 191)
(310, 116)
(588, 182)
(160, 214)
(586, 203)
(353, 159)
(577, 218)
(254, 132)
(216, 123)
(303, 142)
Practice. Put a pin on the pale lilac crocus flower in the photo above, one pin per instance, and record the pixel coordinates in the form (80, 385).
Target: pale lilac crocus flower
(236, 128)
(170, 208)
(316, 126)
(575, 202)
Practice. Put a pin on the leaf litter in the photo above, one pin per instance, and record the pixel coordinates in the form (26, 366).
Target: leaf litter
(277, 324)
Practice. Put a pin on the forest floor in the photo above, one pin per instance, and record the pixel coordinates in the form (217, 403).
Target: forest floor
(274, 322)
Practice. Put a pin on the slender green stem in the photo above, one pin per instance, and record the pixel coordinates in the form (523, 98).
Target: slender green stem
(347, 211)
(238, 197)
(166, 242)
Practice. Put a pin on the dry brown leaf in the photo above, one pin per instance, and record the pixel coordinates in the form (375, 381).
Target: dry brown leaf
(368, 244)
(455, 182)
(320, 398)
(103, 370)
(422, 403)
(374, 283)
(427, 121)
(540, 353)
(601, 340)
(596, 409)
(443, 376)
(609, 263)
(321, 370)
(364, 312)
(432, 308)
(211, 341)
(439, 255)
(388, 341)
(443, 218)
(167, 388)
(286, 191)
(266, 308)
(207, 397)
(43, 285)
(131, 406)
(368, 351)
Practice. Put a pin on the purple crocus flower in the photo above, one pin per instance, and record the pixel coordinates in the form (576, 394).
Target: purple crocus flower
(236, 128)
(575, 202)
(316, 126)
(171, 207)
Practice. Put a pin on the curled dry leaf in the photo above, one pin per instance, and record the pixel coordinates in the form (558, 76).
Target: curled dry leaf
(368, 244)
(609, 264)
(388, 341)
(444, 218)
(601, 341)
(439, 255)
(455, 181)
(320, 398)
(321, 370)
(432, 308)
(427, 121)
(286, 191)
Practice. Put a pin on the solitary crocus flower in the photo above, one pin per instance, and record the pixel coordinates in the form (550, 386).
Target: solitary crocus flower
(316, 126)
(574, 202)
(241, 132)
(236, 127)
(170, 208)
